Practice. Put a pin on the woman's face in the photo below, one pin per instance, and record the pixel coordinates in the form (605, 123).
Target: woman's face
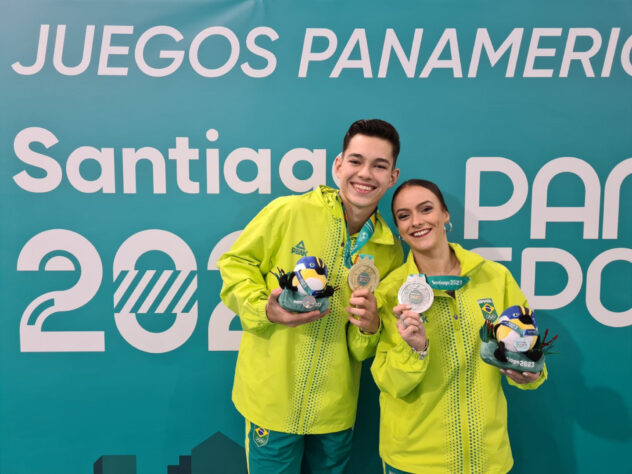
(420, 218)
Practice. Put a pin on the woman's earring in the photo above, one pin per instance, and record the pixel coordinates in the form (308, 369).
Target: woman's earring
(399, 236)
(448, 226)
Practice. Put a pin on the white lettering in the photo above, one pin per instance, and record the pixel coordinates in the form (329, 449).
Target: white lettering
(612, 46)
(483, 40)
(108, 50)
(625, 56)
(104, 157)
(131, 157)
(182, 154)
(195, 47)
(532, 256)
(316, 158)
(448, 37)
(212, 163)
(583, 56)
(40, 57)
(307, 55)
(593, 289)
(259, 51)
(611, 201)
(358, 37)
(21, 146)
(535, 52)
(176, 56)
(261, 158)
(474, 212)
(541, 213)
(59, 49)
(391, 43)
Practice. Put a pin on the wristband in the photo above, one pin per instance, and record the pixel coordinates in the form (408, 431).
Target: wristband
(424, 352)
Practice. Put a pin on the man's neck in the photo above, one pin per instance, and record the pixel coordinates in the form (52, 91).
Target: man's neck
(356, 217)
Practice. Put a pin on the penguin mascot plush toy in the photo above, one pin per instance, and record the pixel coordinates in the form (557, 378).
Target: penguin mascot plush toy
(305, 288)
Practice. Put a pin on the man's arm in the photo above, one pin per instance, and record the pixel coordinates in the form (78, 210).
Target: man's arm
(245, 266)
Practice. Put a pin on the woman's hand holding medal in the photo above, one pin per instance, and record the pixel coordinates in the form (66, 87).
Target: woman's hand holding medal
(411, 327)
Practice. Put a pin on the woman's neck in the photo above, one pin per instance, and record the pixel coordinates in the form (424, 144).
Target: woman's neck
(441, 261)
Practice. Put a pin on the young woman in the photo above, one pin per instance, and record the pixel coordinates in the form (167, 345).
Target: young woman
(442, 408)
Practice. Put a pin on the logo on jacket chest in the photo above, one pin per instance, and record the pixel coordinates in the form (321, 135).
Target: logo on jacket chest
(488, 309)
(299, 249)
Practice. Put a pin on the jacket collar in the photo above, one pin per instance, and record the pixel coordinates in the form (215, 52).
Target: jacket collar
(470, 261)
(330, 196)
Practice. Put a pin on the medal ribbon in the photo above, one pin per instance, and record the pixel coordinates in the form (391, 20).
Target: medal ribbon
(365, 234)
(303, 283)
(447, 282)
(308, 290)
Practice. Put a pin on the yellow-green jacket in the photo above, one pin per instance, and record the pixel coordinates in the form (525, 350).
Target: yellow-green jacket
(304, 379)
(448, 412)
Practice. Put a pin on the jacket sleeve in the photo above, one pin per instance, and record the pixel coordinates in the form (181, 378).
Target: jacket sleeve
(244, 267)
(514, 295)
(363, 346)
(397, 369)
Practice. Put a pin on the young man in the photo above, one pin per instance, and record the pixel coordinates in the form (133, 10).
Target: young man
(298, 374)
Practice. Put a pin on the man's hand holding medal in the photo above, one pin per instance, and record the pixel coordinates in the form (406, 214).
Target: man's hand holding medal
(363, 280)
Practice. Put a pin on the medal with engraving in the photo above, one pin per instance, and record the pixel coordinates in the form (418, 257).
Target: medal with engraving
(309, 302)
(416, 293)
(364, 274)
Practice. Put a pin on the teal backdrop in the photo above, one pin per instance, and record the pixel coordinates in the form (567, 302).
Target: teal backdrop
(137, 138)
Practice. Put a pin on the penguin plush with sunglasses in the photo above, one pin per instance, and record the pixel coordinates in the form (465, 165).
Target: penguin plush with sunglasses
(305, 288)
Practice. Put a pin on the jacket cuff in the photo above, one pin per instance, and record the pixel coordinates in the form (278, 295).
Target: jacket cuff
(531, 385)
(372, 334)
(407, 356)
(254, 318)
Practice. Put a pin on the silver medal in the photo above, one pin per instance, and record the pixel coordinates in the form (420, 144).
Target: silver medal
(309, 302)
(364, 274)
(416, 293)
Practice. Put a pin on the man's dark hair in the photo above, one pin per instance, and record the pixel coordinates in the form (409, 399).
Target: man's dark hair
(422, 183)
(374, 128)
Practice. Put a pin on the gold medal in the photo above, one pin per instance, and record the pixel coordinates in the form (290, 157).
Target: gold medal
(364, 274)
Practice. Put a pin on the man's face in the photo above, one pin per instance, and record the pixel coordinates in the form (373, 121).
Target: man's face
(365, 171)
